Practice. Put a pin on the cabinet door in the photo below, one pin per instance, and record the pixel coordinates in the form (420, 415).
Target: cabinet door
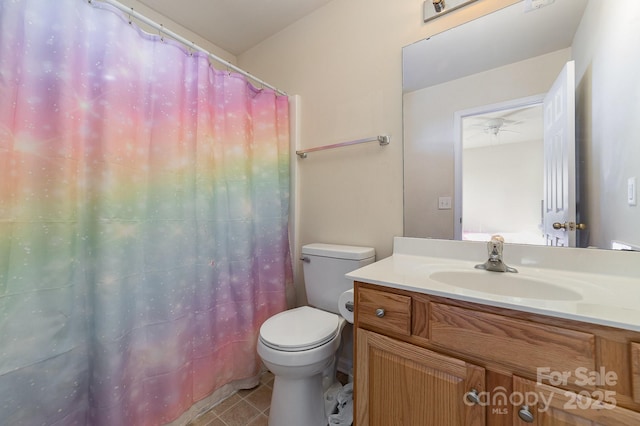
(399, 384)
(545, 405)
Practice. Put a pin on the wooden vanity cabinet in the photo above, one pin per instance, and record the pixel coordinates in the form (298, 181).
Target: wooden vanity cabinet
(404, 384)
(424, 360)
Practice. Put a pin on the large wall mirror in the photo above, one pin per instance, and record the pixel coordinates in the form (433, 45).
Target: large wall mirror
(474, 121)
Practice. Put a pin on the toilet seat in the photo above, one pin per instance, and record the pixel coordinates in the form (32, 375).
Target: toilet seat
(299, 329)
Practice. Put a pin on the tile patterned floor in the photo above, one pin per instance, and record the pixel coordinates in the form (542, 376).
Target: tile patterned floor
(249, 407)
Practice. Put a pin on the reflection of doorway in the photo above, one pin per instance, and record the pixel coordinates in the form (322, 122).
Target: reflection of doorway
(502, 165)
(499, 171)
(496, 192)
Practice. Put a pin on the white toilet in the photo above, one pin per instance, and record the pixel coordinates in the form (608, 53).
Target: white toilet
(299, 345)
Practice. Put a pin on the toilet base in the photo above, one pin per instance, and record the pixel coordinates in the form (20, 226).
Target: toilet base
(297, 401)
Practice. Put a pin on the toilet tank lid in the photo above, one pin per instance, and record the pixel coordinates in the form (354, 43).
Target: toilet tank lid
(338, 251)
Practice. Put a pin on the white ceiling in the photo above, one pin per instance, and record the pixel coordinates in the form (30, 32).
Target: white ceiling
(235, 25)
(503, 37)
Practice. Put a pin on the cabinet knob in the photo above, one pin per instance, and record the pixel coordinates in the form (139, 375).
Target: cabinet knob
(473, 397)
(379, 312)
(525, 415)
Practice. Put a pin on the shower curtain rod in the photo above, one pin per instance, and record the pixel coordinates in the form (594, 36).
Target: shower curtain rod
(159, 27)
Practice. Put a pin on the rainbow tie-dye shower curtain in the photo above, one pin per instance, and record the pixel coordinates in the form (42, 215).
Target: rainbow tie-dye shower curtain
(143, 219)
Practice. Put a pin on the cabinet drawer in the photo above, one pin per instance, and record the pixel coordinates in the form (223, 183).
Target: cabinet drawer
(525, 346)
(547, 405)
(384, 311)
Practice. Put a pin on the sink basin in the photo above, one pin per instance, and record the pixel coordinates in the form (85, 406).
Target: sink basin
(505, 284)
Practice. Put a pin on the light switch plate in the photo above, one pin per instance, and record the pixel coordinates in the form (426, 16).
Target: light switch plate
(444, 203)
(632, 193)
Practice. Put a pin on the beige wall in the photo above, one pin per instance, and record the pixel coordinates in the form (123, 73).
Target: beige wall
(608, 125)
(345, 62)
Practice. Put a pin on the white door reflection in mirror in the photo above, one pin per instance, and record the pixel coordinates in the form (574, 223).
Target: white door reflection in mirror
(560, 163)
(512, 178)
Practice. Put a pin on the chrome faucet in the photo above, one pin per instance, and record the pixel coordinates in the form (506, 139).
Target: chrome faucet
(495, 263)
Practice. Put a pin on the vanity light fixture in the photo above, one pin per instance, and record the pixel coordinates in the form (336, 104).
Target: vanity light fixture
(434, 8)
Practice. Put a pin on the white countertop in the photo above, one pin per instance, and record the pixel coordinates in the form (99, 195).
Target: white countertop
(606, 284)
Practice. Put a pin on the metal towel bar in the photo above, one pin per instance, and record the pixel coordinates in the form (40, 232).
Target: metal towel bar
(383, 140)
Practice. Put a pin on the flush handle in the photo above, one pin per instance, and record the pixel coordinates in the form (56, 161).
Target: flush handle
(305, 259)
(380, 312)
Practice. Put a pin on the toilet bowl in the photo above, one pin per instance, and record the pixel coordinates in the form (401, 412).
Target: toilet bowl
(299, 345)
(299, 370)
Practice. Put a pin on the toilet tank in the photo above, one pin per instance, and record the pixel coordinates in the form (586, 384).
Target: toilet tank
(324, 267)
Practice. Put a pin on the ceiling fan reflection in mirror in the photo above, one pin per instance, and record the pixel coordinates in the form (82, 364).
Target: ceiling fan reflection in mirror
(493, 126)
(503, 126)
